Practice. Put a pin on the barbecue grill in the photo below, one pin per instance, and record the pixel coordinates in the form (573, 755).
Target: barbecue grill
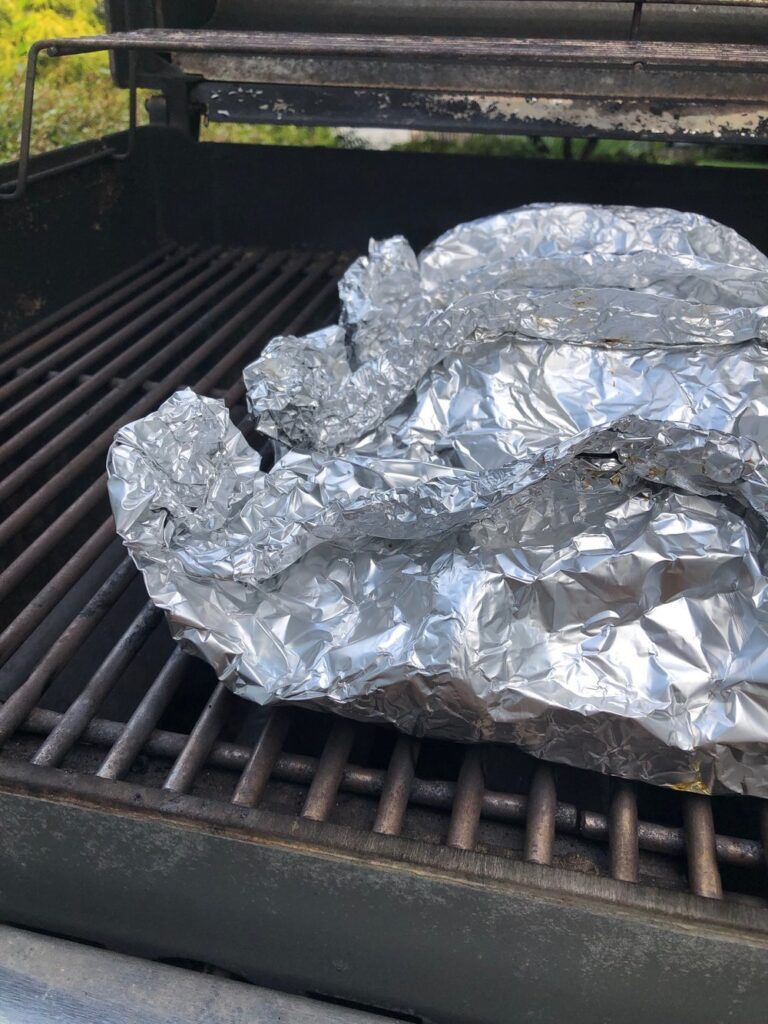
(147, 809)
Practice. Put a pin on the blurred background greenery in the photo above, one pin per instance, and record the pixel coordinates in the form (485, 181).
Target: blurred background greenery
(75, 100)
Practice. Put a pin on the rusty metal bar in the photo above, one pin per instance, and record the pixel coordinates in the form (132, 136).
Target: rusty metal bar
(375, 45)
(42, 544)
(670, 841)
(467, 801)
(703, 873)
(261, 763)
(17, 631)
(100, 444)
(622, 832)
(143, 305)
(48, 538)
(21, 702)
(81, 310)
(396, 791)
(135, 380)
(540, 820)
(330, 769)
(77, 716)
(201, 739)
(127, 744)
(432, 793)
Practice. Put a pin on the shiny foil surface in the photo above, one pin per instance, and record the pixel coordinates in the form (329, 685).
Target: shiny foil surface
(520, 495)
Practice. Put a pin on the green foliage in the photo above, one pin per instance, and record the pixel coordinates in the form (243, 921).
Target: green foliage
(615, 151)
(22, 22)
(609, 150)
(270, 134)
(74, 98)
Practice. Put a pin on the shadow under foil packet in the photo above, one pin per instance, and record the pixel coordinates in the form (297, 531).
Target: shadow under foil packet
(521, 496)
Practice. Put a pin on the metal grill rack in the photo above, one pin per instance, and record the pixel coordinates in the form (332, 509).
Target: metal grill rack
(96, 697)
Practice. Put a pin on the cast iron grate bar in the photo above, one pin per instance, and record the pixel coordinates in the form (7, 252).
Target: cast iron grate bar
(540, 819)
(182, 316)
(623, 832)
(126, 743)
(101, 380)
(106, 676)
(440, 795)
(261, 763)
(327, 777)
(397, 786)
(201, 739)
(467, 801)
(301, 273)
(70, 318)
(140, 310)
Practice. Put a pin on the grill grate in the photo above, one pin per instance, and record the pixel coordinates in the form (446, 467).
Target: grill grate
(92, 685)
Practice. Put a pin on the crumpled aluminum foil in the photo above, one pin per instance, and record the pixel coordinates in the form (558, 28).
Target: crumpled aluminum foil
(520, 495)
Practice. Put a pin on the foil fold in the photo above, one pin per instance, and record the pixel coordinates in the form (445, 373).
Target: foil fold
(520, 495)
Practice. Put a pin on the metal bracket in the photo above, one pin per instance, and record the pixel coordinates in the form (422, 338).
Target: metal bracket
(23, 176)
(175, 108)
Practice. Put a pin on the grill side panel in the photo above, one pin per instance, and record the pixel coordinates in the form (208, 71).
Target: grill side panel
(72, 232)
(393, 937)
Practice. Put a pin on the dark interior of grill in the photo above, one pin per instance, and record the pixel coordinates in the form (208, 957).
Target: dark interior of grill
(190, 257)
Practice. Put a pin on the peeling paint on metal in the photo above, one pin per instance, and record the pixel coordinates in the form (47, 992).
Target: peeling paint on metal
(605, 116)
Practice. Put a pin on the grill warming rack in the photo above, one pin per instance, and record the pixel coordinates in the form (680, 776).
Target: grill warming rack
(699, 83)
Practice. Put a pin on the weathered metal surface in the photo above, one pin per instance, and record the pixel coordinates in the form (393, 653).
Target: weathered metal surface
(44, 980)
(700, 847)
(268, 908)
(370, 782)
(638, 88)
(433, 47)
(261, 763)
(541, 817)
(467, 801)
(630, 76)
(195, 753)
(692, 121)
(329, 772)
(397, 786)
(623, 832)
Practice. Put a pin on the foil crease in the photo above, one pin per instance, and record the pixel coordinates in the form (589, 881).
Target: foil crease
(520, 495)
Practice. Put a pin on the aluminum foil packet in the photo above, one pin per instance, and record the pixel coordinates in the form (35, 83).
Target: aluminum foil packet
(520, 494)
